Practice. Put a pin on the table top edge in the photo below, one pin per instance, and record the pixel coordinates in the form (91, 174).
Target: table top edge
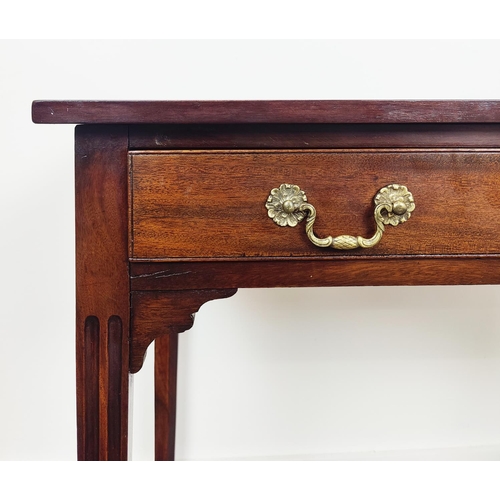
(266, 111)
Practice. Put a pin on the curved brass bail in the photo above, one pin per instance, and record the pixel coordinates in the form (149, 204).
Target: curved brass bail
(287, 206)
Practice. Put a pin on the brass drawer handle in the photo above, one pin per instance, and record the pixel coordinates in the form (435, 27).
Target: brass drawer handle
(287, 206)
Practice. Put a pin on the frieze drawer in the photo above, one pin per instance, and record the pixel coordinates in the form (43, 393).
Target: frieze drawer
(218, 204)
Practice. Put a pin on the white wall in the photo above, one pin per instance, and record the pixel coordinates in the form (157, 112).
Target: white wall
(267, 373)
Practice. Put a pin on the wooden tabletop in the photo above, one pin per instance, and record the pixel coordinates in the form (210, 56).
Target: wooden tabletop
(151, 112)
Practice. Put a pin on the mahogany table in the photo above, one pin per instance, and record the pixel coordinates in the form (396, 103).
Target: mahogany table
(179, 203)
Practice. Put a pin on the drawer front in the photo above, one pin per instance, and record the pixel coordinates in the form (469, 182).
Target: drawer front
(211, 204)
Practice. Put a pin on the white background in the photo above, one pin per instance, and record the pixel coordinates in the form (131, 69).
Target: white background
(315, 373)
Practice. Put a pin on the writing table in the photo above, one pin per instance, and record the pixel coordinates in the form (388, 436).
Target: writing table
(182, 202)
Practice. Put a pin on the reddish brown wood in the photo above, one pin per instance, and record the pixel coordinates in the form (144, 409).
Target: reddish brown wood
(166, 350)
(199, 229)
(102, 291)
(91, 112)
(385, 271)
(212, 204)
(164, 312)
(117, 374)
(310, 136)
(88, 363)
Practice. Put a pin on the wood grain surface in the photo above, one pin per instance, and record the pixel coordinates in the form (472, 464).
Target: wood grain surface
(381, 271)
(166, 352)
(212, 204)
(348, 111)
(102, 291)
(170, 213)
(310, 136)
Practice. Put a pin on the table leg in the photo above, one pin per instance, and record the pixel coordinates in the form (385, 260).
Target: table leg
(102, 291)
(166, 348)
(102, 389)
